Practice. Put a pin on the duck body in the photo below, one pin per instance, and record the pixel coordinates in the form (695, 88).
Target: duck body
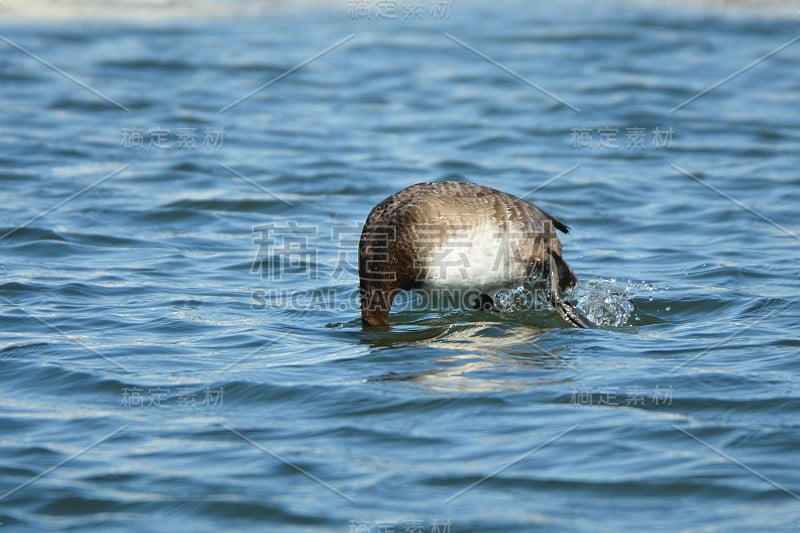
(458, 236)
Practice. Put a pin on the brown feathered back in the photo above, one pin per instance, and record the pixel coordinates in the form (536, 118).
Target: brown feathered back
(409, 238)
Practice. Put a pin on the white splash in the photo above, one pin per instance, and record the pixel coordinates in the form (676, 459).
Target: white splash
(605, 301)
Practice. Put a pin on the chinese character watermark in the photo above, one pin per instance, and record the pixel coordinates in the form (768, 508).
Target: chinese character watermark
(284, 249)
(400, 526)
(185, 398)
(293, 250)
(346, 238)
(631, 396)
(407, 10)
(184, 138)
(629, 138)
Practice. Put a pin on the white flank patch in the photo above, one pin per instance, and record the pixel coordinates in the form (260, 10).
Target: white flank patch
(479, 257)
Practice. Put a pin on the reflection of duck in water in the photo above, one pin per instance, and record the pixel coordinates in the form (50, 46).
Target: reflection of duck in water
(459, 236)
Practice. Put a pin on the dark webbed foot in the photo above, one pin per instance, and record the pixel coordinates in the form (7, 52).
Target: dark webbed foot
(563, 307)
(483, 302)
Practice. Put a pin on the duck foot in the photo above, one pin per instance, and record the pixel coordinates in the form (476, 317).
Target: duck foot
(483, 302)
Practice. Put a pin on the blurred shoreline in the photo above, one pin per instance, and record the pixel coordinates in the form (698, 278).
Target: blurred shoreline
(53, 10)
(777, 8)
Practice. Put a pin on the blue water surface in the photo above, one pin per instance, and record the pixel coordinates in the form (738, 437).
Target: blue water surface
(180, 340)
